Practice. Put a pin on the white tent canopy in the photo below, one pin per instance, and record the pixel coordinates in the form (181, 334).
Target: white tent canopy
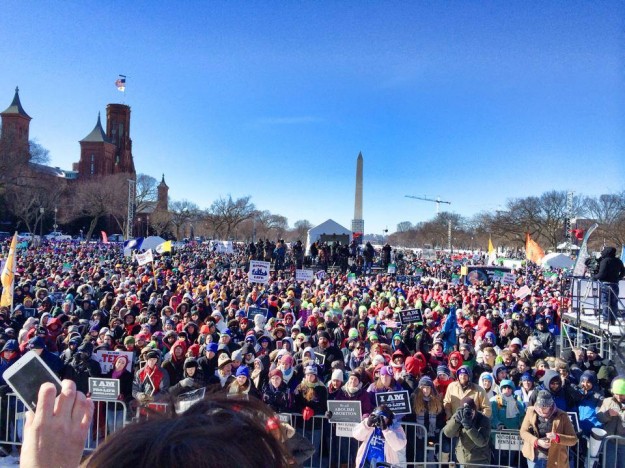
(329, 227)
(566, 246)
(557, 260)
(151, 242)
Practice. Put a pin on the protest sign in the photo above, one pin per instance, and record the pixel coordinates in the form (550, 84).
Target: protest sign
(320, 359)
(509, 278)
(186, 400)
(320, 274)
(410, 316)
(106, 359)
(508, 441)
(523, 292)
(344, 429)
(259, 272)
(144, 258)
(254, 311)
(351, 278)
(345, 411)
(398, 402)
(29, 312)
(391, 269)
(103, 389)
(304, 275)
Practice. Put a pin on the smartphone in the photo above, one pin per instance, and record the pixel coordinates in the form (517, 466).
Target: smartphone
(27, 375)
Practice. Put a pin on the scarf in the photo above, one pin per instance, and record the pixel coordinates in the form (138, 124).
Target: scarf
(512, 409)
(351, 391)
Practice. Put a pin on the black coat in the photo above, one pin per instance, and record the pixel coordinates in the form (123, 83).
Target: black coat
(611, 269)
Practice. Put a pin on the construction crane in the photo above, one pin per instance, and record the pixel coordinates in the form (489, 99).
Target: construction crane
(438, 201)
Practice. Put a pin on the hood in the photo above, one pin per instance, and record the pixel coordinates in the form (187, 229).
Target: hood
(608, 252)
(11, 345)
(487, 375)
(457, 354)
(591, 376)
(550, 374)
(496, 370)
(484, 324)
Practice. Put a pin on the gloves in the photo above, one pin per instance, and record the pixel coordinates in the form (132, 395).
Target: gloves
(329, 414)
(458, 415)
(307, 413)
(144, 398)
(383, 423)
(372, 420)
(187, 382)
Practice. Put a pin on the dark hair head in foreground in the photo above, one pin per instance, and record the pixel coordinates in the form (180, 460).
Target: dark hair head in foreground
(212, 433)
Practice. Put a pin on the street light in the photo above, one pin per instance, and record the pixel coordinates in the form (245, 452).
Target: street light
(147, 226)
(41, 211)
(55, 225)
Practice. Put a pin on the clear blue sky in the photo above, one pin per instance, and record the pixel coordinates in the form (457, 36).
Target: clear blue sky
(475, 102)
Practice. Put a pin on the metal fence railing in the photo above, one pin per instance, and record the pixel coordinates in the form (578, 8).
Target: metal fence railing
(613, 452)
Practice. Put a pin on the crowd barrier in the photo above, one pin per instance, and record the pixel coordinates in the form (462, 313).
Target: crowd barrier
(108, 416)
(332, 442)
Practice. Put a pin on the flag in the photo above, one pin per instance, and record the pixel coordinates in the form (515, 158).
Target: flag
(448, 332)
(623, 253)
(163, 247)
(105, 238)
(579, 268)
(133, 244)
(8, 275)
(144, 258)
(121, 83)
(533, 251)
(492, 253)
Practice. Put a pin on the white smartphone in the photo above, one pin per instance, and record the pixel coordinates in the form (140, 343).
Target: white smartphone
(27, 375)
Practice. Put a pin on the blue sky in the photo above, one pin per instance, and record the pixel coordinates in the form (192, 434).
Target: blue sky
(475, 102)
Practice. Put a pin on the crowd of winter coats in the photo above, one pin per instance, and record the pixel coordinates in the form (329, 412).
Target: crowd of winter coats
(186, 320)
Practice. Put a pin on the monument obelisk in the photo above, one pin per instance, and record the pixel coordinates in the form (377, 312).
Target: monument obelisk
(358, 224)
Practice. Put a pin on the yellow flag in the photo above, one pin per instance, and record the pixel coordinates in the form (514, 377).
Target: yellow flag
(163, 247)
(8, 276)
(491, 248)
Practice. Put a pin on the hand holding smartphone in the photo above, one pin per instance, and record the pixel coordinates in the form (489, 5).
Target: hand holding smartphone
(27, 375)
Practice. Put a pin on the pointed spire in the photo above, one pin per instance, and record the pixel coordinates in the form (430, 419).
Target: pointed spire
(16, 106)
(97, 134)
(163, 184)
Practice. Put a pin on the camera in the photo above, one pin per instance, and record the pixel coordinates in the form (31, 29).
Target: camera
(592, 263)
(467, 412)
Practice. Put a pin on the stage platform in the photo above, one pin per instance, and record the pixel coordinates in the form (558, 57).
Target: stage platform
(590, 320)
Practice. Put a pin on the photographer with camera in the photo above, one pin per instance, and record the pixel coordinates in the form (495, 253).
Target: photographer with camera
(382, 438)
(610, 272)
(472, 429)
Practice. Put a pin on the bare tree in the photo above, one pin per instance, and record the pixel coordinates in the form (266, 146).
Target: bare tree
(225, 214)
(146, 191)
(181, 213)
(300, 230)
(404, 226)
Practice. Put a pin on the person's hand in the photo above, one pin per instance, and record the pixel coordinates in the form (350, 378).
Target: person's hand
(144, 398)
(187, 382)
(458, 415)
(372, 420)
(613, 412)
(307, 413)
(329, 414)
(544, 443)
(55, 434)
(551, 436)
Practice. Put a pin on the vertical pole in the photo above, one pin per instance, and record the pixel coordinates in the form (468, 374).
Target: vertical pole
(448, 235)
(131, 208)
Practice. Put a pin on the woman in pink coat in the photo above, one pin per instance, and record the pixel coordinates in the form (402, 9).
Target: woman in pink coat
(381, 439)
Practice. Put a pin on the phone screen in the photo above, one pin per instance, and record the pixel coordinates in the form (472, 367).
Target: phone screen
(27, 380)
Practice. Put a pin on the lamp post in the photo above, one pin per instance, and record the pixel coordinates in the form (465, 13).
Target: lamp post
(147, 226)
(139, 226)
(55, 225)
(41, 212)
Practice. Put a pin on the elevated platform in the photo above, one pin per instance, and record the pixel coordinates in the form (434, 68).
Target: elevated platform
(588, 319)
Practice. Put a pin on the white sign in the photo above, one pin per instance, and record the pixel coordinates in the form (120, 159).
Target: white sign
(344, 429)
(144, 258)
(523, 292)
(186, 400)
(320, 274)
(509, 278)
(107, 358)
(304, 275)
(259, 272)
(510, 441)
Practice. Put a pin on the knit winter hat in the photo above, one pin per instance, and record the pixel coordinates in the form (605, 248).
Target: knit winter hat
(275, 372)
(353, 333)
(544, 399)
(618, 386)
(464, 370)
(443, 370)
(337, 374)
(243, 370)
(426, 381)
(507, 383)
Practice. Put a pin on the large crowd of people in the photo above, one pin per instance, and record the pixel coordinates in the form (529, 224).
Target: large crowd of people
(482, 357)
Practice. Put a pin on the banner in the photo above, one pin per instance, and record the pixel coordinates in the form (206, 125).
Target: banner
(103, 389)
(259, 272)
(391, 269)
(105, 238)
(398, 402)
(508, 441)
(254, 311)
(304, 275)
(410, 316)
(533, 251)
(8, 275)
(106, 359)
(580, 264)
(163, 247)
(508, 278)
(345, 411)
(144, 258)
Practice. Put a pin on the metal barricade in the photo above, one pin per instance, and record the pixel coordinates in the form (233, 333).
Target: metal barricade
(613, 452)
(335, 447)
(108, 416)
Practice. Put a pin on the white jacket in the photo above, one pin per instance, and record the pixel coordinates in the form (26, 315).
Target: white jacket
(394, 438)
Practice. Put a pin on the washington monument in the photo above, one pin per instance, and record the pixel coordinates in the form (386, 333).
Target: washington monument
(358, 224)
